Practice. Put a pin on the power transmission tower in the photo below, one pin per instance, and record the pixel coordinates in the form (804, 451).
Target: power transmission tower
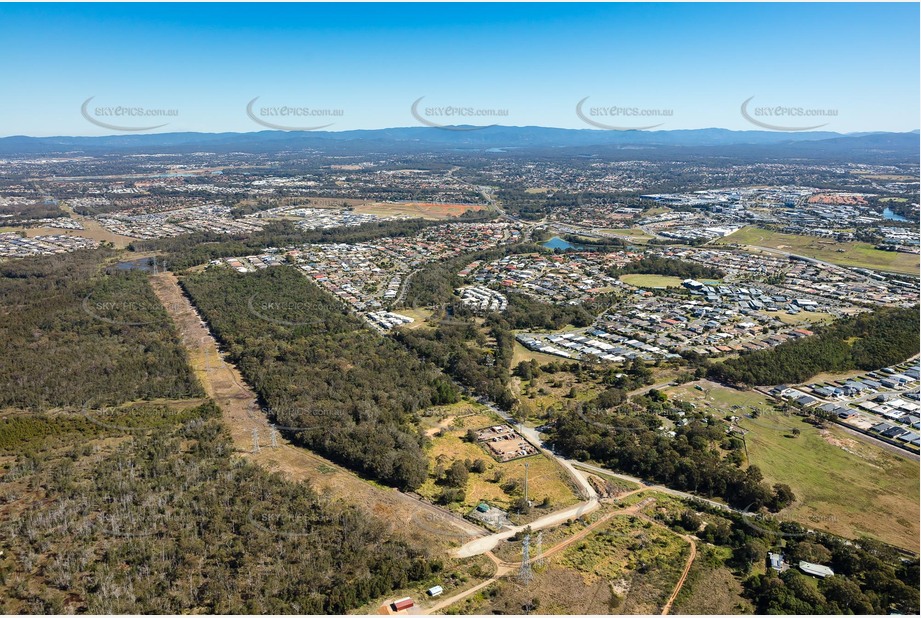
(525, 575)
(255, 440)
(539, 550)
(273, 436)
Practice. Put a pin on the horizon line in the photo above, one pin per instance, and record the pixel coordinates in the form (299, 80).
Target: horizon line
(453, 126)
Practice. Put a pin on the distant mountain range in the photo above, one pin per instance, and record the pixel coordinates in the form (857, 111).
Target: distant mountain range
(496, 139)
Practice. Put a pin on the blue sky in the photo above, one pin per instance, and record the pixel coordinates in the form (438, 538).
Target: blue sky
(536, 61)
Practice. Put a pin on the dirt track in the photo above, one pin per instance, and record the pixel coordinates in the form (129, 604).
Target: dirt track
(684, 575)
(242, 415)
(505, 567)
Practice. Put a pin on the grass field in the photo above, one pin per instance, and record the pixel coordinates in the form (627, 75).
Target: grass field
(842, 484)
(652, 281)
(856, 254)
(812, 317)
(419, 316)
(521, 353)
(635, 235)
(545, 478)
(551, 390)
(835, 376)
(553, 590)
(640, 560)
(717, 397)
(610, 553)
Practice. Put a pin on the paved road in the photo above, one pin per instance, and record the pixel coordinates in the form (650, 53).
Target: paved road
(895, 450)
(482, 545)
(403, 287)
(488, 543)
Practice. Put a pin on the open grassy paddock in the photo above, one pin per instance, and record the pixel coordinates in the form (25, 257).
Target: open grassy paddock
(803, 317)
(711, 587)
(855, 254)
(634, 235)
(652, 281)
(842, 484)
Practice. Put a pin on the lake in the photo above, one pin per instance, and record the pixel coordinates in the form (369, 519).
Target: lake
(891, 216)
(558, 243)
(144, 264)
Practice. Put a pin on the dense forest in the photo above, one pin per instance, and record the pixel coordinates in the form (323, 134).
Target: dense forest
(467, 355)
(22, 214)
(167, 521)
(867, 341)
(71, 335)
(651, 265)
(625, 436)
(346, 391)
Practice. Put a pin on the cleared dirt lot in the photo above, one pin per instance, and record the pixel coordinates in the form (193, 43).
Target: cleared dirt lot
(425, 210)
